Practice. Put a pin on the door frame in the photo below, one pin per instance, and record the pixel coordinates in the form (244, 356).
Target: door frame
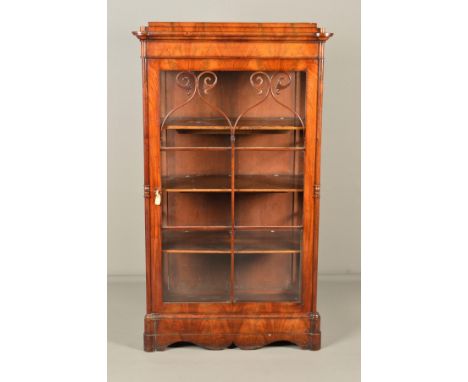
(151, 92)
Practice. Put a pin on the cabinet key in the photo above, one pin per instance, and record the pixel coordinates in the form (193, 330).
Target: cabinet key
(157, 197)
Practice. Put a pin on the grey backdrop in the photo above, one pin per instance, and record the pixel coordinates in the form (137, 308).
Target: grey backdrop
(340, 194)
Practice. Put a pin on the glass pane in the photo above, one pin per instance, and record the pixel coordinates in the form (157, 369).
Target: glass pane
(190, 277)
(267, 277)
(232, 166)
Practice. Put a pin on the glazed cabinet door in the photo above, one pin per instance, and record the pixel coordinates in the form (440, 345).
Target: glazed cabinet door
(232, 171)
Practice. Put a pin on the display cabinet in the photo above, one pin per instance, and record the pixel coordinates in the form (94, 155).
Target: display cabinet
(232, 129)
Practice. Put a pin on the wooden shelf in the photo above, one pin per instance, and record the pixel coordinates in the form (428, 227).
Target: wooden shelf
(219, 241)
(272, 148)
(196, 241)
(197, 183)
(242, 148)
(245, 125)
(268, 241)
(269, 183)
(243, 183)
(194, 148)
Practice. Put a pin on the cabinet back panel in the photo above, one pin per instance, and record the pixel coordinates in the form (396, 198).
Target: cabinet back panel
(196, 163)
(197, 209)
(263, 209)
(174, 138)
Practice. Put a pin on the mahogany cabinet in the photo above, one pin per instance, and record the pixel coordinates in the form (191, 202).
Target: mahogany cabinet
(232, 129)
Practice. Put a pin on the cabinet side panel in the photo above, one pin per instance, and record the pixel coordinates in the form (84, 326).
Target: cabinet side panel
(155, 181)
(308, 270)
(146, 186)
(320, 64)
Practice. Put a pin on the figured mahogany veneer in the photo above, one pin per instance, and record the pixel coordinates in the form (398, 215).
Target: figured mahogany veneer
(232, 136)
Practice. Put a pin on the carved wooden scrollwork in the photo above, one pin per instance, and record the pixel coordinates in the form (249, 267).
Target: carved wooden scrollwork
(265, 85)
(196, 85)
